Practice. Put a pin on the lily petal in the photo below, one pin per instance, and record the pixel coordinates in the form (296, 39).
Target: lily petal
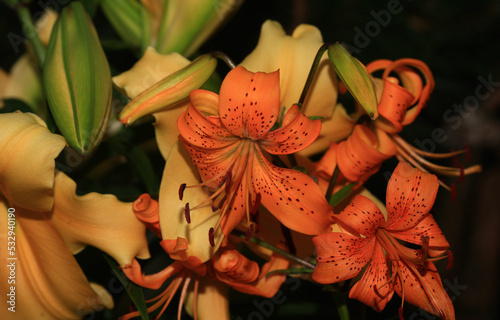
(101, 221)
(341, 256)
(374, 288)
(249, 102)
(23, 135)
(49, 281)
(293, 56)
(283, 194)
(178, 170)
(361, 215)
(422, 287)
(211, 300)
(410, 196)
(427, 227)
(296, 133)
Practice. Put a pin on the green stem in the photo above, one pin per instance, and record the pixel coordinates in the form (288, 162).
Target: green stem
(30, 29)
(331, 185)
(340, 302)
(312, 73)
(279, 251)
(224, 57)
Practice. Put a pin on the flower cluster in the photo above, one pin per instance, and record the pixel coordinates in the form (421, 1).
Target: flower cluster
(238, 181)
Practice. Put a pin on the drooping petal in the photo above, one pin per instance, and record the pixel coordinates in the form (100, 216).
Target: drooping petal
(392, 106)
(296, 134)
(410, 195)
(341, 256)
(249, 102)
(374, 288)
(49, 283)
(362, 216)
(178, 170)
(291, 196)
(99, 220)
(239, 275)
(362, 154)
(423, 288)
(26, 180)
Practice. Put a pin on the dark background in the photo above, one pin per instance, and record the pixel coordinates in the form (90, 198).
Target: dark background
(459, 42)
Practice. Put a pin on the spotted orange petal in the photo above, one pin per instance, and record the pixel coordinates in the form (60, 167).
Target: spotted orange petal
(249, 102)
(296, 133)
(361, 216)
(410, 195)
(341, 256)
(292, 197)
(423, 287)
(374, 288)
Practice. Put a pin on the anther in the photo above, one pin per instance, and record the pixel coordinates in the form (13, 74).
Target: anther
(211, 237)
(249, 232)
(187, 213)
(181, 191)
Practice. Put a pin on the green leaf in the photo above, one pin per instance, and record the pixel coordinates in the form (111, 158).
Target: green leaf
(355, 77)
(134, 291)
(340, 195)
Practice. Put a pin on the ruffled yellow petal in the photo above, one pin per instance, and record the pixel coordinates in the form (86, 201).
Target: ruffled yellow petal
(27, 153)
(45, 24)
(101, 221)
(150, 69)
(49, 283)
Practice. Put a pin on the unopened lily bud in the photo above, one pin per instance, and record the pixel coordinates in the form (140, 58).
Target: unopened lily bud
(355, 77)
(77, 79)
(130, 19)
(171, 89)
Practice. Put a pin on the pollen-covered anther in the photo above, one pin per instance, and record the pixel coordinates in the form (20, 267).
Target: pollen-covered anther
(187, 213)
(211, 237)
(181, 191)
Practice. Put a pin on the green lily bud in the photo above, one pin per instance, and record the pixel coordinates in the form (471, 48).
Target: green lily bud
(130, 19)
(171, 89)
(355, 77)
(77, 79)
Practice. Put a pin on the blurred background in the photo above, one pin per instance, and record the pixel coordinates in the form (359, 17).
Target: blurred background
(459, 42)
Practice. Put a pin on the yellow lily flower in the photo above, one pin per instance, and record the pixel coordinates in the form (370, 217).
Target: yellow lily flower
(293, 56)
(52, 223)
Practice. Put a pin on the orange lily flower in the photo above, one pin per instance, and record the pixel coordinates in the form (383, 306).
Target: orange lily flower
(227, 266)
(400, 101)
(371, 239)
(228, 146)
